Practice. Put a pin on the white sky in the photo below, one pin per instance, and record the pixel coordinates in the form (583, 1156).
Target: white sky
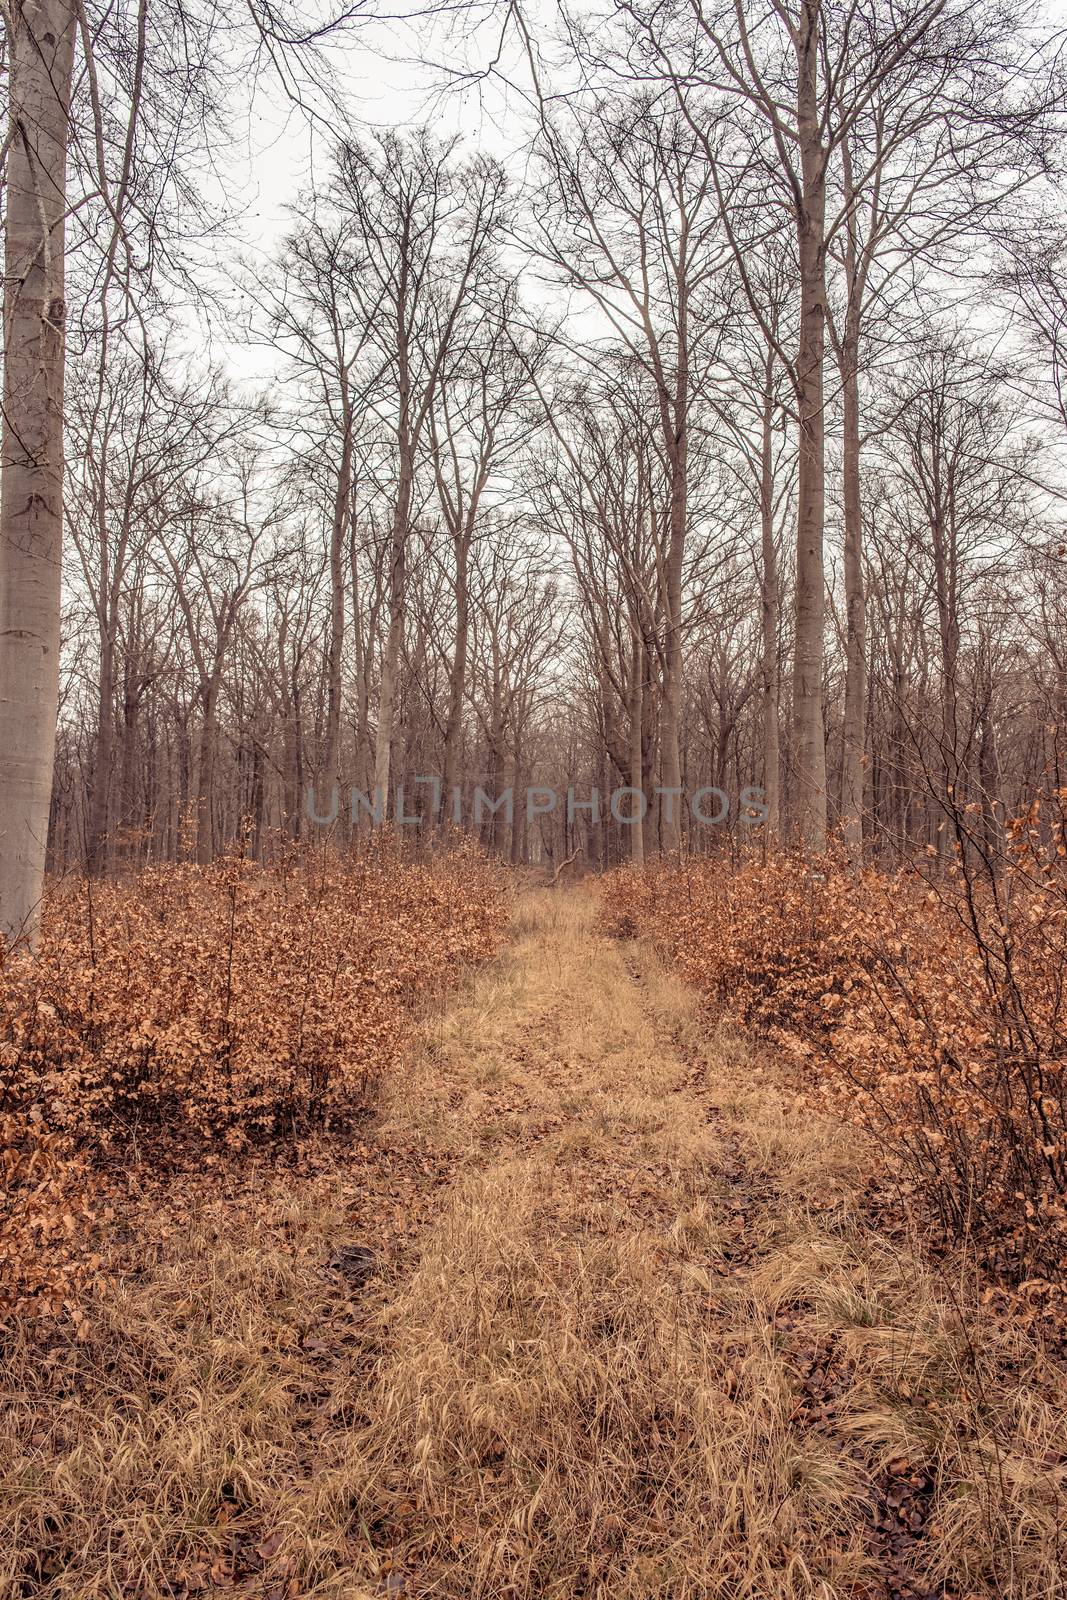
(389, 78)
(277, 153)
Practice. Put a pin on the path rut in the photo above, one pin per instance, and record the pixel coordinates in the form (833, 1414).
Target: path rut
(640, 1347)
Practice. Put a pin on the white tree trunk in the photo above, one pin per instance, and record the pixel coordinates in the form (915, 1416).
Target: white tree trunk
(31, 447)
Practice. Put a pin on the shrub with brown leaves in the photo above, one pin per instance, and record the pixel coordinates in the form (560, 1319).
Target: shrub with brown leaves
(934, 1011)
(43, 1212)
(228, 1004)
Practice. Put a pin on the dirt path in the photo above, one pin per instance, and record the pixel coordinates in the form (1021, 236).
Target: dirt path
(648, 1347)
(593, 1311)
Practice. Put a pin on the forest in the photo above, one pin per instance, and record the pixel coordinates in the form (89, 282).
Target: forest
(533, 800)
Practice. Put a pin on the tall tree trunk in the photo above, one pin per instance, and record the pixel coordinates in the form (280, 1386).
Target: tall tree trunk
(517, 806)
(335, 650)
(41, 46)
(769, 619)
(205, 786)
(97, 847)
(258, 796)
(990, 785)
(292, 799)
(898, 746)
(637, 764)
(945, 587)
(671, 708)
(131, 718)
(853, 733)
(808, 731)
(390, 672)
(364, 656)
(457, 679)
(397, 583)
(853, 757)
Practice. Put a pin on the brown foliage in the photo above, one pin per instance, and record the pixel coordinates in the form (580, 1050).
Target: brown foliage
(43, 1212)
(932, 1012)
(226, 1004)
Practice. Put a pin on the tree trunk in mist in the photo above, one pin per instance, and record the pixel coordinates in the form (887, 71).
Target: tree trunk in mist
(390, 663)
(361, 663)
(131, 717)
(41, 46)
(769, 622)
(671, 710)
(205, 786)
(989, 774)
(671, 713)
(341, 512)
(258, 798)
(808, 731)
(948, 628)
(97, 846)
(397, 561)
(898, 742)
(853, 763)
(518, 808)
(457, 681)
(292, 768)
(637, 765)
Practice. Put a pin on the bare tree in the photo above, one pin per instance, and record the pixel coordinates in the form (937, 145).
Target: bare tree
(424, 227)
(41, 44)
(479, 420)
(629, 216)
(144, 94)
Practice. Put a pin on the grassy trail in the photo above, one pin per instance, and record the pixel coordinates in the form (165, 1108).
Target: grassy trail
(631, 1332)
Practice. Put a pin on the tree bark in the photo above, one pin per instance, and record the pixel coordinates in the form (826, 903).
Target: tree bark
(98, 844)
(391, 654)
(945, 588)
(335, 650)
(769, 619)
(637, 761)
(457, 677)
(853, 754)
(398, 545)
(41, 48)
(205, 787)
(853, 762)
(131, 718)
(671, 709)
(808, 731)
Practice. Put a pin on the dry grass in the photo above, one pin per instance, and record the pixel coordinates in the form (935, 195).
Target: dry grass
(635, 1334)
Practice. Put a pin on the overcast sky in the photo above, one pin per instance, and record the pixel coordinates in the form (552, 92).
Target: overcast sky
(391, 75)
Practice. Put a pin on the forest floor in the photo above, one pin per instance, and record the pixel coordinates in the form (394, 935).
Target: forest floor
(593, 1308)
